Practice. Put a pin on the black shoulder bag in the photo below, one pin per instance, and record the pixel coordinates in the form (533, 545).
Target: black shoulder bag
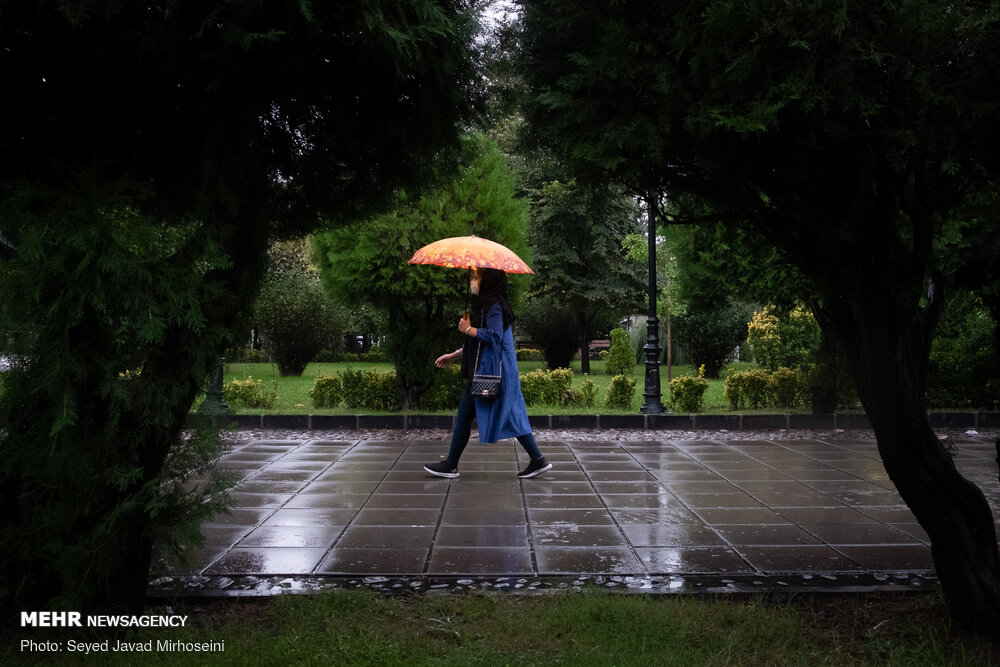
(487, 386)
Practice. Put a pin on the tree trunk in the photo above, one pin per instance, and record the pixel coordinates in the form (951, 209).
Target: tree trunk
(889, 360)
(826, 380)
(581, 327)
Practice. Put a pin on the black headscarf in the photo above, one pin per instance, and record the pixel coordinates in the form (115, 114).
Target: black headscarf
(492, 289)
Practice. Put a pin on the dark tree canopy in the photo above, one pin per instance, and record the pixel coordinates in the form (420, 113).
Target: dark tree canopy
(324, 102)
(849, 134)
(148, 154)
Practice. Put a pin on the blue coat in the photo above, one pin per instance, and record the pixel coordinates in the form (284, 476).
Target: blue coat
(506, 416)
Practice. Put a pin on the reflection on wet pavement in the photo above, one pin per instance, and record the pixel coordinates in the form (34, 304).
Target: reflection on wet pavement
(646, 511)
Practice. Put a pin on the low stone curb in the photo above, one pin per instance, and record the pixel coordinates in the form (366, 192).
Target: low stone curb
(242, 586)
(637, 422)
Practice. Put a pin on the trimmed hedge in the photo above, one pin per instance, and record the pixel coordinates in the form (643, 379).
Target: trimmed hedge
(687, 393)
(758, 388)
(530, 354)
(555, 387)
(446, 390)
(250, 393)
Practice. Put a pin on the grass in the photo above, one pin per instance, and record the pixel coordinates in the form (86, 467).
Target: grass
(293, 392)
(592, 627)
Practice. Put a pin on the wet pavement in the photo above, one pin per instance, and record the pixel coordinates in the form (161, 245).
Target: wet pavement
(650, 514)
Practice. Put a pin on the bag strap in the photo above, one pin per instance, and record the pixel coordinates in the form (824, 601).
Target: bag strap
(479, 346)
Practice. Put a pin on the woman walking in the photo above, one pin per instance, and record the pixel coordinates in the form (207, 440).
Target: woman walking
(490, 339)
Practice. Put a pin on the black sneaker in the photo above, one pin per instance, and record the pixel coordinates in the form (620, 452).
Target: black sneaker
(442, 469)
(535, 468)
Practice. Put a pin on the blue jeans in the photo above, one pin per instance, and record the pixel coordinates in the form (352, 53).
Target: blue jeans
(463, 429)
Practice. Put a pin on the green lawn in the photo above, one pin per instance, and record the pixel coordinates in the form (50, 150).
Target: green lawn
(293, 392)
(590, 627)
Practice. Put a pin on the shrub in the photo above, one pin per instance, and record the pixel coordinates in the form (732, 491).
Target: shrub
(764, 336)
(325, 357)
(327, 391)
(382, 391)
(620, 393)
(353, 384)
(792, 341)
(250, 393)
(297, 317)
(530, 354)
(246, 355)
(538, 388)
(603, 355)
(544, 320)
(963, 359)
(374, 354)
(747, 389)
(370, 390)
(687, 392)
(711, 333)
(621, 360)
(788, 388)
(445, 391)
(587, 394)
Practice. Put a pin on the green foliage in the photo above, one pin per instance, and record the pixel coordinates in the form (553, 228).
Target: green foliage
(620, 393)
(366, 261)
(621, 358)
(586, 396)
(209, 129)
(764, 336)
(759, 388)
(711, 333)
(294, 313)
(530, 354)
(546, 321)
(576, 237)
(246, 355)
(112, 312)
(789, 387)
(539, 388)
(250, 393)
(792, 341)
(445, 391)
(555, 387)
(370, 390)
(747, 389)
(189, 490)
(687, 393)
(327, 391)
(963, 368)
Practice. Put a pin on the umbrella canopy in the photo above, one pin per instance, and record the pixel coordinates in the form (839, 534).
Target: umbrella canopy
(467, 252)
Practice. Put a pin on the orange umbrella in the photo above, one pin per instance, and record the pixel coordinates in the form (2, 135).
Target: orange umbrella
(467, 252)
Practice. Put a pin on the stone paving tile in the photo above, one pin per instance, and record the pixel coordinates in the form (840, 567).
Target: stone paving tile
(481, 560)
(687, 560)
(315, 506)
(587, 560)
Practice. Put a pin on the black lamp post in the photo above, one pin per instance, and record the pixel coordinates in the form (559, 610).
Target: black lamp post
(652, 404)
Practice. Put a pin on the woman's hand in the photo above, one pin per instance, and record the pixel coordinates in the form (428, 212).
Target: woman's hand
(465, 326)
(447, 359)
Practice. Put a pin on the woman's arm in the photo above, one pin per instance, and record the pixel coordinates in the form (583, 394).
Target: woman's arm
(492, 330)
